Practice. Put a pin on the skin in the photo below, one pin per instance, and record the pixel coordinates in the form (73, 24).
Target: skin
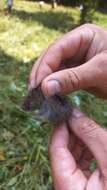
(84, 49)
(70, 154)
(76, 61)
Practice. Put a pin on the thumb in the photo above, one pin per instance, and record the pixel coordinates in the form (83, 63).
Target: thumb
(69, 80)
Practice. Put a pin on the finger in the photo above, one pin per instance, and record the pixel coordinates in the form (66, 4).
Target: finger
(95, 182)
(34, 71)
(59, 149)
(74, 43)
(64, 169)
(85, 161)
(80, 152)
(88, 75)
(83, 157)
(78, 149)
(72, 141)
(93, 136)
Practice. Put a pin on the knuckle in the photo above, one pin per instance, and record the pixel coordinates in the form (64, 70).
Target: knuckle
(88, 25)
(101, 65)
(62, 47)
(103, 58)
(58, 46)
(73, 79)
(56, 151)
(88, 128)
(53, 148)
(104, 173)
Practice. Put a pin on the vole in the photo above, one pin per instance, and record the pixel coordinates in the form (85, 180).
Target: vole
(54, 109)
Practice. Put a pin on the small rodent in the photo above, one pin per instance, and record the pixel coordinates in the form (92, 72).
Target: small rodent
(54, 109)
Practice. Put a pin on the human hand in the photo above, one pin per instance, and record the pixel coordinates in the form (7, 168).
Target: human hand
(70, 155)
(84, 52)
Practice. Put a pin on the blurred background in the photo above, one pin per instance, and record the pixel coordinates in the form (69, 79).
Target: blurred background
(26, 28)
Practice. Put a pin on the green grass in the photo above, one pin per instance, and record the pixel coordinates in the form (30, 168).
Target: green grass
(23, 141)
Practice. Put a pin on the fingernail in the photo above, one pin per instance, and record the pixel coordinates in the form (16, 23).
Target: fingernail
(77, 114)
(53, 87)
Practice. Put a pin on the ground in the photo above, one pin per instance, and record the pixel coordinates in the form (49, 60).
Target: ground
(23, 142)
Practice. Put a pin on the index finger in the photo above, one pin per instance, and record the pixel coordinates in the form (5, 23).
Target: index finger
(64, 169)
(73, 44)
